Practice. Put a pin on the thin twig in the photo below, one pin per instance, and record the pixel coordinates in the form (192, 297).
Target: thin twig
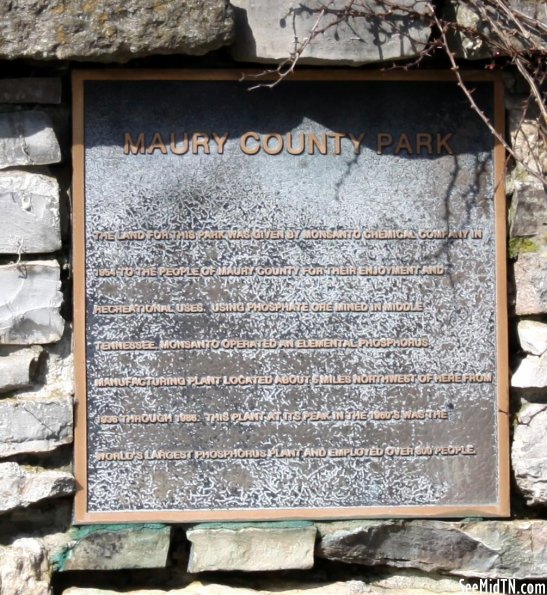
(505, 31)
(455, 68)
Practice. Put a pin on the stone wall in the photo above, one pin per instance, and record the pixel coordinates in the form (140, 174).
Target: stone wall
(40, 551)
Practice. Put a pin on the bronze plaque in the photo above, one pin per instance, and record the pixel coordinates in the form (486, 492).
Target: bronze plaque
(290, 302)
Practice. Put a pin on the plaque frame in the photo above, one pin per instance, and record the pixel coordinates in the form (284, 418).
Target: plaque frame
(81, 513)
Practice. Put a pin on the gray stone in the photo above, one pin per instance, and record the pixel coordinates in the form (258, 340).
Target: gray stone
(112, 30)
(17, 368)
(48, 521)
(24, 568)
(470, 17)
(528, 211)
(200, 588)
(104, 547)
(30, 90)
(405, 586)
(22, 486)
(270, 31)
(30, 299)
(531, 282)
(531, 373)
(57, 376)
(529, 453)
(535, 9)
(528, 144)
(27, 138)
(34, 426)
(519, 546)
(30, 221)
(489, 549)
(427, 545)
(92, 591)
(533, 336)
(251, 548)
(411, 582)
(461, 41)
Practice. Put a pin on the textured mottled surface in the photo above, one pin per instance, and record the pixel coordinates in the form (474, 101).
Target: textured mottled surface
(491, 549)
(30, 221)
(112, 30)
(235, 191)
(270, 31)
(251, 548)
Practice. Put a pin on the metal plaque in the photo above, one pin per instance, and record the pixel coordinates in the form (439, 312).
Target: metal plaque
(290, 302)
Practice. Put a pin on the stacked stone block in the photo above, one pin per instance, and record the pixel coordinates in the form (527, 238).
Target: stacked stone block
(528, 250)
(35, 408)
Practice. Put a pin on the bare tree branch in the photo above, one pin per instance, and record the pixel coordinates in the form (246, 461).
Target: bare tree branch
(511, 36)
